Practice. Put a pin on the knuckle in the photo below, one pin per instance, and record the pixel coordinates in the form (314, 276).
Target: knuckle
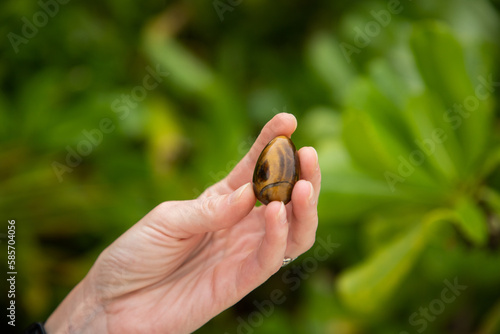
(208, 206)
(163, 207)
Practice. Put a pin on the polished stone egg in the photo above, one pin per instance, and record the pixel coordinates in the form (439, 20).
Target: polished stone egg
(276, 171)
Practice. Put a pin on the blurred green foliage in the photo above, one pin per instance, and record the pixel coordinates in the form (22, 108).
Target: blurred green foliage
(398, 97)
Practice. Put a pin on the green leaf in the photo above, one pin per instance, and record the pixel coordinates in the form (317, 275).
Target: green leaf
(471, 221)
(377, 137)
(393, 84)
(165, 140)
(325, 57)
(433, 137)
(215, 98)
(353, 193)
(441, 61)
(492, 198)
(186, 70)
(366, 287)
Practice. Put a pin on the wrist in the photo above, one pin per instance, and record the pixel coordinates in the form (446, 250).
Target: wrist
(79, 312)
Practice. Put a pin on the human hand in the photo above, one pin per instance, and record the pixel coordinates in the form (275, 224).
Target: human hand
(186, 261)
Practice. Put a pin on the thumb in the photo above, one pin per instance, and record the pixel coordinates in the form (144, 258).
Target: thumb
(183, 219)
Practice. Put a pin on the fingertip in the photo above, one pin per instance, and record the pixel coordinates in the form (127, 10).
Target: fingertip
(273, 210)
(241, 201)
(284, 123)
(309, 168)
(308, 160)
(311, 198)
(243, 194)
(276, 219)
(303, 193)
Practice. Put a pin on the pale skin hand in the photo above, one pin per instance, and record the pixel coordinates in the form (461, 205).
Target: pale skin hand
(186, 261)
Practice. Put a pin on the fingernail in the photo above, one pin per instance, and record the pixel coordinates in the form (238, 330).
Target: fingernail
(317, 159)
(311, 198)
(282, 214)
(237, 194)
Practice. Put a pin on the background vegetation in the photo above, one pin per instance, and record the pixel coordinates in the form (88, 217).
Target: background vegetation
(406, 129)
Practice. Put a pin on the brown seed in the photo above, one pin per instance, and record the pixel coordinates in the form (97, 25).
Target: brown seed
(276, 171)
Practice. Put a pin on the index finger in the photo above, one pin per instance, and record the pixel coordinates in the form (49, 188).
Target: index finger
(281, 124)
